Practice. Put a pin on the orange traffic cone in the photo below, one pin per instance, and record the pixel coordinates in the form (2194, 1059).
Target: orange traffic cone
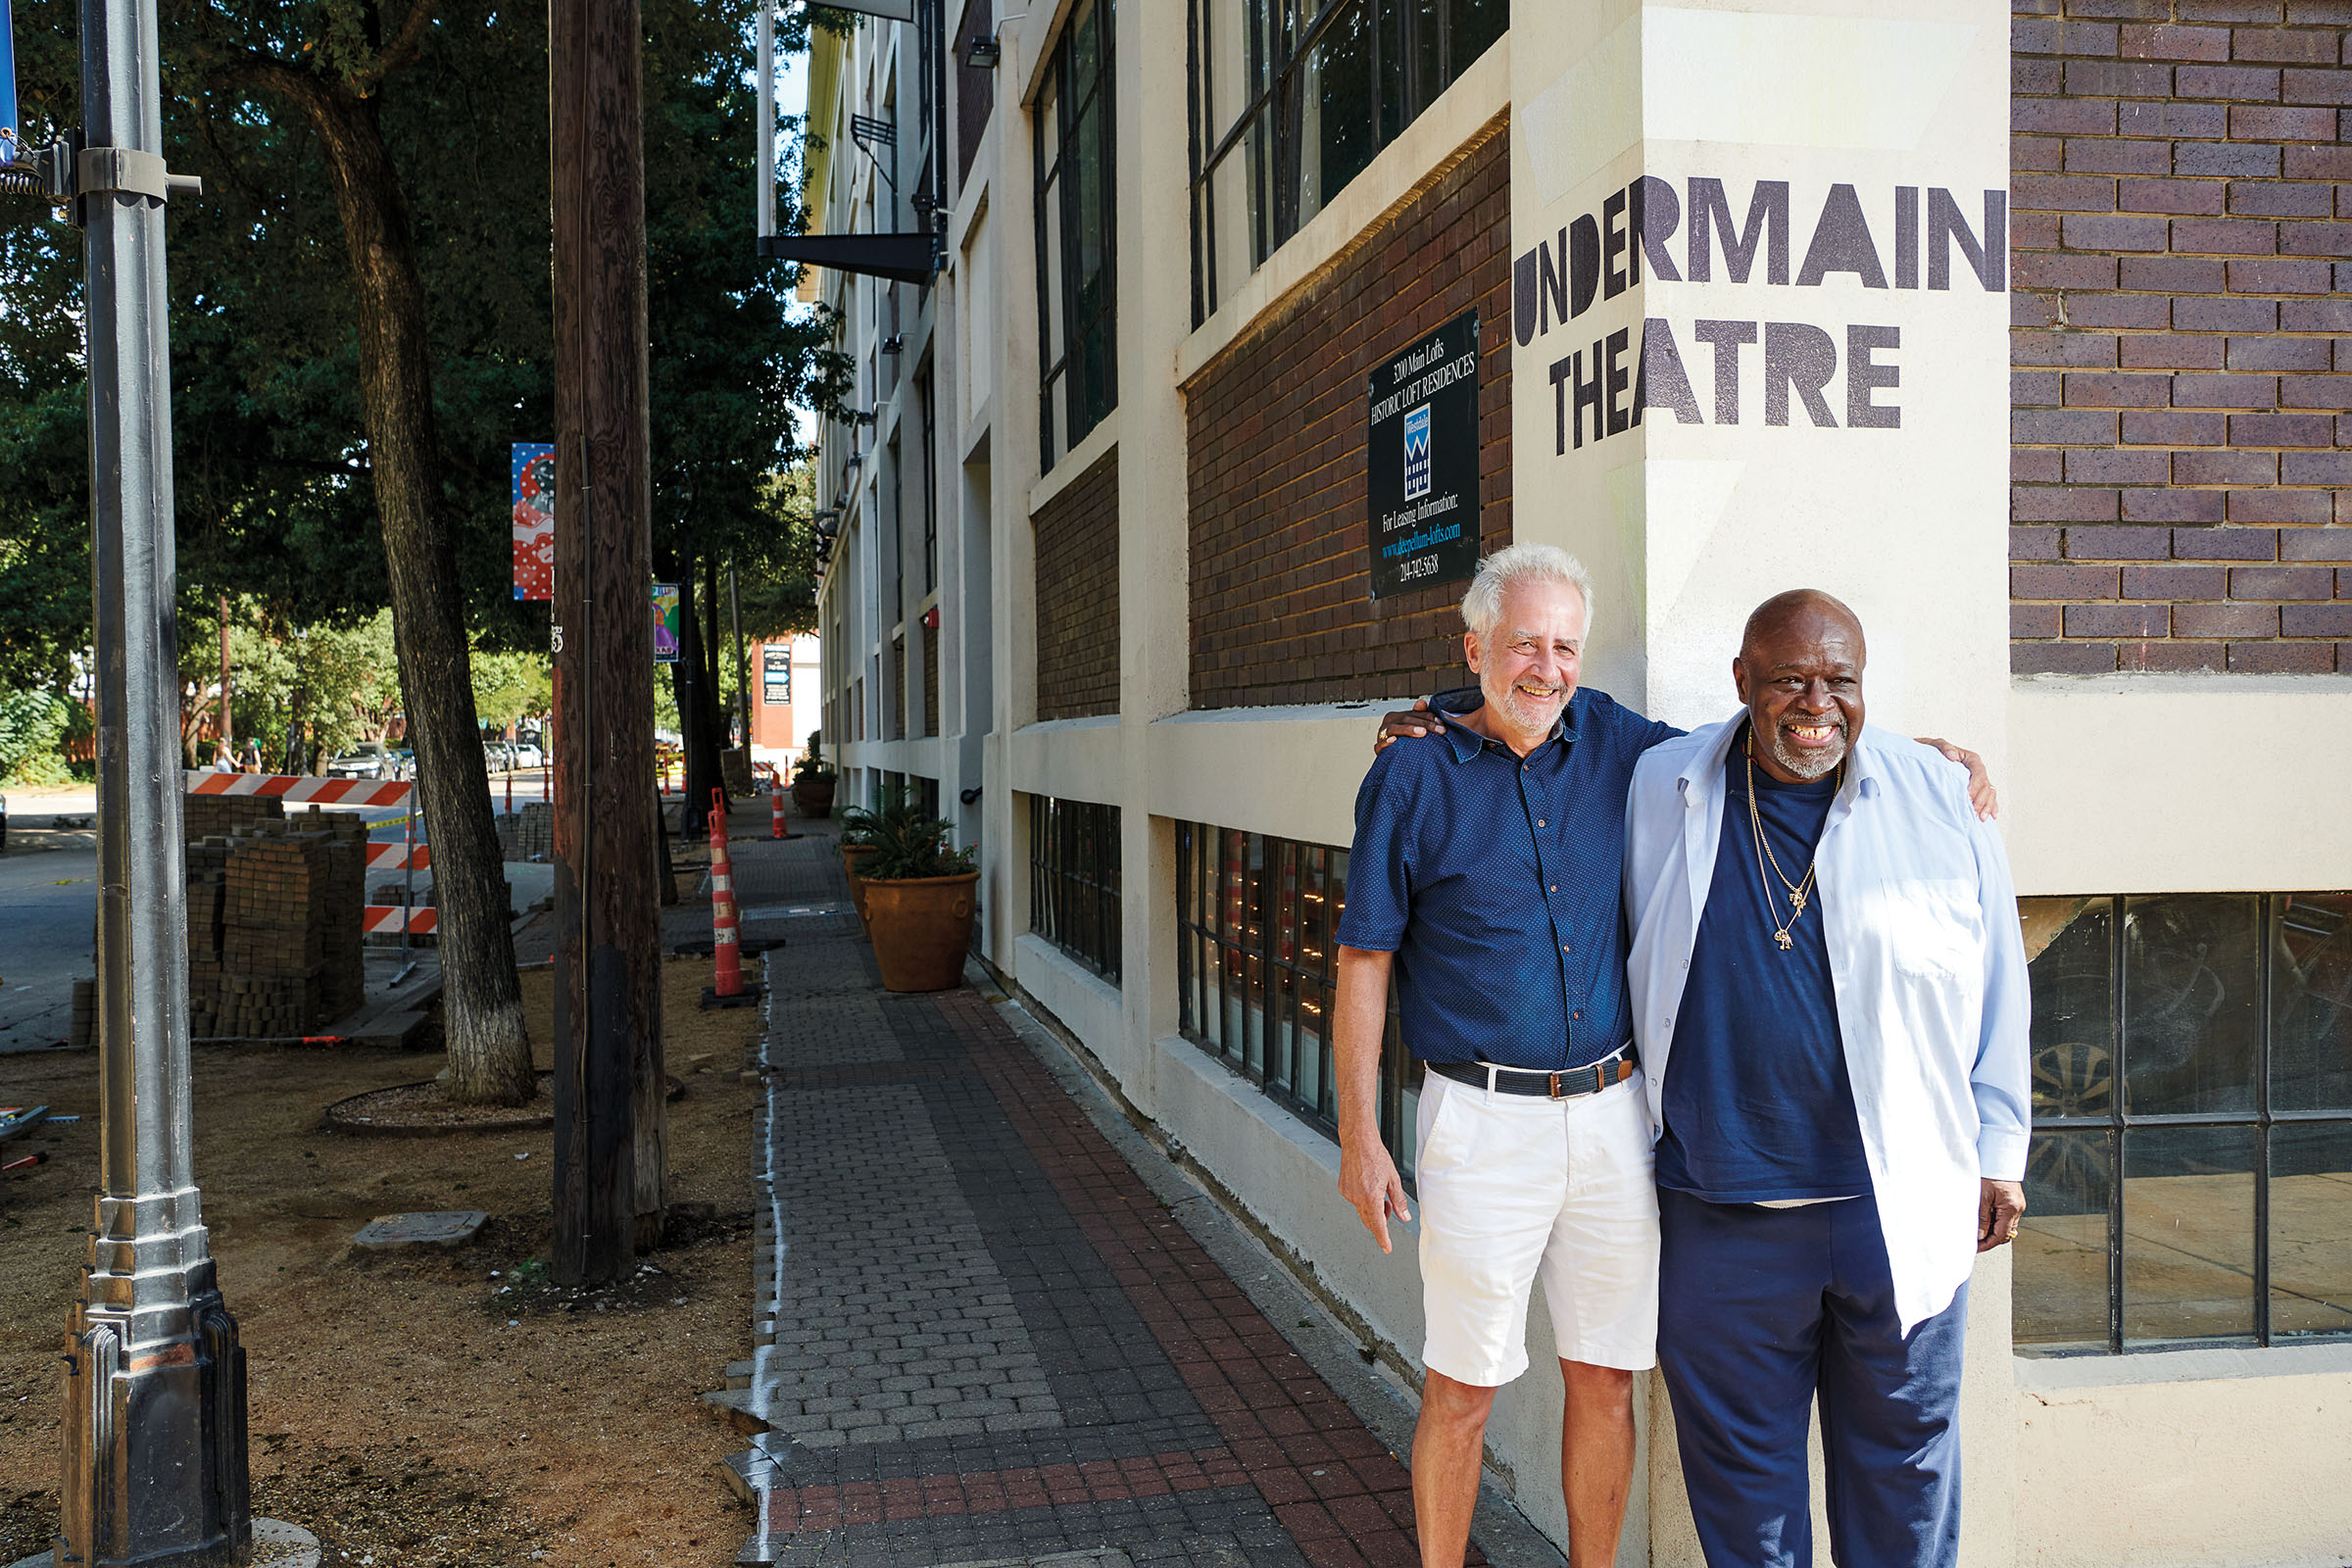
(727, 989)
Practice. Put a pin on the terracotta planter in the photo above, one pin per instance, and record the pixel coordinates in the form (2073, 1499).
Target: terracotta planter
(851, 855)
(922, 929)
(814, 794)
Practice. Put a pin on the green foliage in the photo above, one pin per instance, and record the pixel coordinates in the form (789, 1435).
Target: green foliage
(508, 687)
(33, 725)
(275, 498)
(909, 844)
(340, 681)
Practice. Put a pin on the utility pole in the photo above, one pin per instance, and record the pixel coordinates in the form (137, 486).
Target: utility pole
(610, 1152)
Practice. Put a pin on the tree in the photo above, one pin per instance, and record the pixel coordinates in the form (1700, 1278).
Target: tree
(342, 409)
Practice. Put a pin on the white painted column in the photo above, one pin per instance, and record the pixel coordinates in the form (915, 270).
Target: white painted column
(1155, 259)
(1761, 343)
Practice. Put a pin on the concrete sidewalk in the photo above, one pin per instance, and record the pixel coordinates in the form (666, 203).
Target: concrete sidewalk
(997, 1327)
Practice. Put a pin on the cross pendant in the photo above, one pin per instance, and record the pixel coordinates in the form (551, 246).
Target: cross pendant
(1784, 939)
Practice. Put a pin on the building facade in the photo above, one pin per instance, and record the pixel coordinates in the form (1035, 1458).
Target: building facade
(2023, 330)
(785, 676)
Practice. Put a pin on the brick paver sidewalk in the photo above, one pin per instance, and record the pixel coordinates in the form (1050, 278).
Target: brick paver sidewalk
(983, 1337)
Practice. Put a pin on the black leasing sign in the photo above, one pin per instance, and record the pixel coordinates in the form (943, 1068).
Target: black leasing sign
(1422, 449)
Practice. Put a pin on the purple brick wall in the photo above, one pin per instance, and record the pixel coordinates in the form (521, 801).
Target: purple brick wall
(2181, 290)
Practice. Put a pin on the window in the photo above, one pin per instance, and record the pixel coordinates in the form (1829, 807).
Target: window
(2190, 1180)
(1074, 879)
(929, 477)
(1291, 100)
(1076, 274)
(1257, 970)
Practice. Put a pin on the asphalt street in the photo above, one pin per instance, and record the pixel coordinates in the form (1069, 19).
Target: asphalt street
(48, 912)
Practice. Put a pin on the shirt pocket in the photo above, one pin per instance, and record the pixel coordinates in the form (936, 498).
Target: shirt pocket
(1932, 929)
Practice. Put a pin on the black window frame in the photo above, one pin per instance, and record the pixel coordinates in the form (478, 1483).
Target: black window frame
(1281, 38)
(2056, 1079)
(1074, 880)
(1300, 969)
(1089, 392)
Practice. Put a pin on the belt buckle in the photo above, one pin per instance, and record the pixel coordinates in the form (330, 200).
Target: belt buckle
(1555, 1088)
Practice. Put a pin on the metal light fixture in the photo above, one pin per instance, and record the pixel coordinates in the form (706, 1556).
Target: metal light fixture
(981, 52)
(893, 344)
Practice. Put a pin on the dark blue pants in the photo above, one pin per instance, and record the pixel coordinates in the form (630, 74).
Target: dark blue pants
(1760, 1312)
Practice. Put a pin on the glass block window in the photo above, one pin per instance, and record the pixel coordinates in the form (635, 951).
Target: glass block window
(1074, 879)
(2190, 1181)
(1257, 971)
(1293, 98)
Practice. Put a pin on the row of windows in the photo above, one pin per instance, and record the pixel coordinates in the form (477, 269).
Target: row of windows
(1291, 99)
(2190, 1175)
(2191, 1179)
(1074, 879)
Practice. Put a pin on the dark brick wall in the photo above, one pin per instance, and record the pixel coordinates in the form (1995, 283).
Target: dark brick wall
(1275, 434)
(898, 689)
(1078, 596)
(931, 697)
(2181, 233)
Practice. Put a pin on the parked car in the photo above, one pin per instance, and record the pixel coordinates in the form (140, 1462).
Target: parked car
(498, 757)
(527, 753)
(367, 759)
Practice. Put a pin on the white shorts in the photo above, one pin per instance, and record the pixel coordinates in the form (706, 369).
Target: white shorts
(1513, 1186)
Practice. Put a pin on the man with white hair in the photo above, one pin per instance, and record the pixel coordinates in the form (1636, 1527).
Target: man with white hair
(1487, 875)
(1502, 927)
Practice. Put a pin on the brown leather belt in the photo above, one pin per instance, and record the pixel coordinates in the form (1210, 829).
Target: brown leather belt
(1567, 1084)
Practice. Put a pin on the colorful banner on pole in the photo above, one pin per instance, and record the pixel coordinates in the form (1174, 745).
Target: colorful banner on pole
(12, 137)
(534, 517)
(665, 624)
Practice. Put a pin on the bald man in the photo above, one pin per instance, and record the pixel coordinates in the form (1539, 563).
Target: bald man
(1831, 1000)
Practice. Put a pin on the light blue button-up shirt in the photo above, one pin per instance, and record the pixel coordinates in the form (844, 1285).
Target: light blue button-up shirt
(1927, 958)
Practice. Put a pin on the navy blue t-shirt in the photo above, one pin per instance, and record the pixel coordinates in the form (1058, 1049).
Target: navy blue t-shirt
(1758, 1107)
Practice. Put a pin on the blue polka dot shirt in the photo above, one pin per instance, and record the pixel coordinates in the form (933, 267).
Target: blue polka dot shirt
(1498, 883)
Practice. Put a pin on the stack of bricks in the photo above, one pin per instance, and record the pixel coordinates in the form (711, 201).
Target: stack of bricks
(2180, 228)
(209, 816)
(273, 926)
(527, 833)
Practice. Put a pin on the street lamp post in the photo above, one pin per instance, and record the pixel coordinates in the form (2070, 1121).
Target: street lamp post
(155, 1466)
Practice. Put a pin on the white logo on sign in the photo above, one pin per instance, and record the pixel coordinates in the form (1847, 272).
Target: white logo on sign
(1416, 453)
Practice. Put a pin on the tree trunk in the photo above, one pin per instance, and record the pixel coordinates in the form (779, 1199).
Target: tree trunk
(693, 715)
(722, 725)
(489, 1051)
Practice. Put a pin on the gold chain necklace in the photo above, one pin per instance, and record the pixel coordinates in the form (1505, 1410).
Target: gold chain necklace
(1800, 893)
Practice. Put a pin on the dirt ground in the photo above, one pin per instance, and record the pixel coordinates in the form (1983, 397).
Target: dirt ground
(426, 1409)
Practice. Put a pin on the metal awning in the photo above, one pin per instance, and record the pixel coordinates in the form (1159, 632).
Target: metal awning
(900, 257)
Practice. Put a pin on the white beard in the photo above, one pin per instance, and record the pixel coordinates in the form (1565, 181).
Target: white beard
(1807, 765)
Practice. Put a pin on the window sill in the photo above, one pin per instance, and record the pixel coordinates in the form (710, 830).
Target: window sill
(2055, 1374)
(1075, 463)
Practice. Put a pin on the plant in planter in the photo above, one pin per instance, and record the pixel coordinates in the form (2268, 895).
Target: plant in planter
(919, 888)
(862, 833)
(812, 780)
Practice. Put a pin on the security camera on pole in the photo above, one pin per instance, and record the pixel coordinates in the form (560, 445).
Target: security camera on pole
(155, 1467)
